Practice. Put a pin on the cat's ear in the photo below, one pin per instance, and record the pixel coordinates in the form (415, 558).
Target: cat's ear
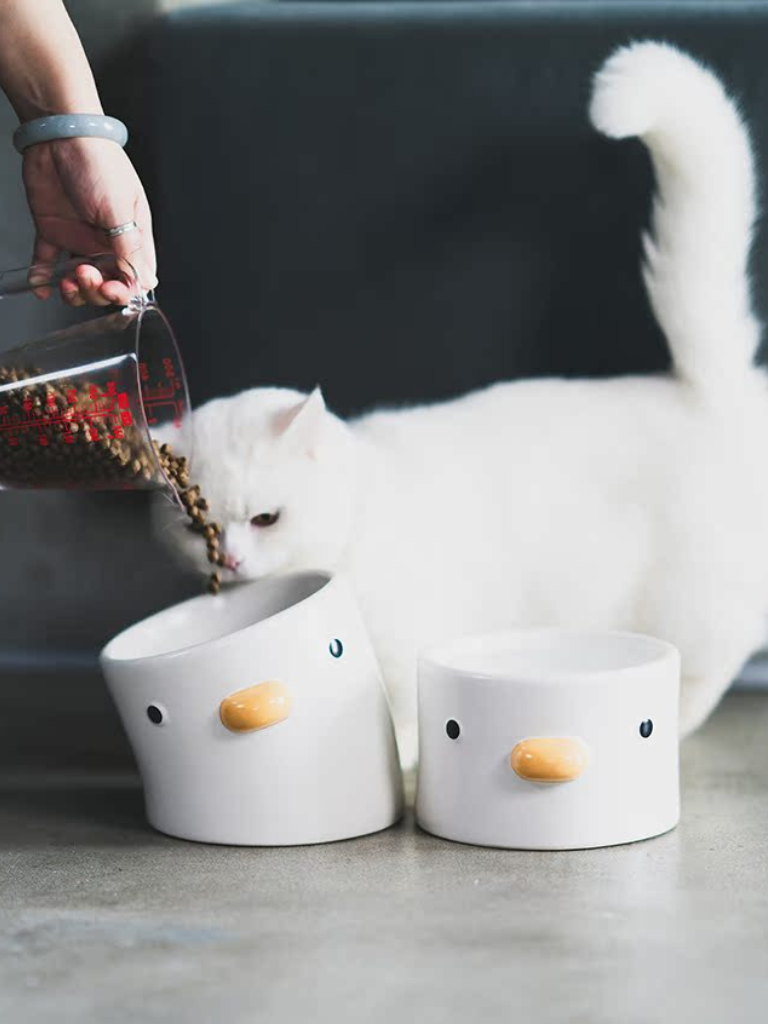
(301, 426)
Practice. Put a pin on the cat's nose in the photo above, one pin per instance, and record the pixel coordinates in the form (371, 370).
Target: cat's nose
(232, 561)
(550, 758)
(256, 707)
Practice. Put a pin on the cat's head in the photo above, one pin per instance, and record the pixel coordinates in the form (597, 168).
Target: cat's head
(278, 471)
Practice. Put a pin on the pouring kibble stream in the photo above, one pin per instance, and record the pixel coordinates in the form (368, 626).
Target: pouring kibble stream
(196, 506)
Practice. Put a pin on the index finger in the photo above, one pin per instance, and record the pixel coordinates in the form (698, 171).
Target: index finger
(116, 292)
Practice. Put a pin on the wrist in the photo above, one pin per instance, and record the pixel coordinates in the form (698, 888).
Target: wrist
(34, 105)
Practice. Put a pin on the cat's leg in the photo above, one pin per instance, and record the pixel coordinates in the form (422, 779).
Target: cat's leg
(708, 672)
(714, 644)
(399, 672)
(408, 745)
(699, 696)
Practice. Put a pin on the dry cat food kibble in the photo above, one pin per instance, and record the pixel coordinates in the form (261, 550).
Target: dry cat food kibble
(175, 468)
(65, 434)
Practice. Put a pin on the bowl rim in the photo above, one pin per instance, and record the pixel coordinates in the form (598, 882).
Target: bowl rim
(438, 656)
(107, 657)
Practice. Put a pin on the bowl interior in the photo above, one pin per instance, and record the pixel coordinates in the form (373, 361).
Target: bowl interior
(535, 653)
(206, 619)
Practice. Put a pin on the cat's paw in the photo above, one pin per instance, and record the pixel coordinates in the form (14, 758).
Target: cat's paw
(408, 746)
(699, 696)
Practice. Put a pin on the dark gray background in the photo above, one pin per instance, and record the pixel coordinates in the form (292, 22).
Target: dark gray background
(399, 201)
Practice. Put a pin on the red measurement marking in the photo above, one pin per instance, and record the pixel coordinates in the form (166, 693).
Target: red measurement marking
(43, 441)
(152, 408)
(113, 408)
(152, 395)
(144, 371)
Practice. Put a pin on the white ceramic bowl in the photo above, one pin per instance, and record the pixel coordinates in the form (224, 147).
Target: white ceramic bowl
(258, 717)
(549, 739)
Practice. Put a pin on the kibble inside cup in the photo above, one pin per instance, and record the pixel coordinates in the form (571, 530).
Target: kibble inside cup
(80, 408)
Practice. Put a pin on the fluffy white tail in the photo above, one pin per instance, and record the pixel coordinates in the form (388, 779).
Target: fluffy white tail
(703, 210)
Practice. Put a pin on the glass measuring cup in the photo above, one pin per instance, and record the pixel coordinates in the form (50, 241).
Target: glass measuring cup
(85, 406)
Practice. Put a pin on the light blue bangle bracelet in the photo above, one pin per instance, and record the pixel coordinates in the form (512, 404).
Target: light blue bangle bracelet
(69, 126)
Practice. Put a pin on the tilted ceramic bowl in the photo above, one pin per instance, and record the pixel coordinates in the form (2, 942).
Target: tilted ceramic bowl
(258, 717)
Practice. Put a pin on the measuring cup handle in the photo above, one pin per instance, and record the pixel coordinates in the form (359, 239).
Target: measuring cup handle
(22, 280)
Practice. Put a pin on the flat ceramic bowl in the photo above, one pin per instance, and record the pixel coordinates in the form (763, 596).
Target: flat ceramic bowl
(258, 717)
(549, 739)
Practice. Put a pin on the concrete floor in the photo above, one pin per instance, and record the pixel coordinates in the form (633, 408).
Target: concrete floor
(103, 920)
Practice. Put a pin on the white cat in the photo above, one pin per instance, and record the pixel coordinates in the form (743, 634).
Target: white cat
(632, 503)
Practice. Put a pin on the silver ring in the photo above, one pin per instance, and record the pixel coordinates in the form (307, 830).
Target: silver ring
(122, 229)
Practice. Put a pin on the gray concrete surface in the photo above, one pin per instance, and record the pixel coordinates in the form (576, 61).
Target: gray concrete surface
(103, 920)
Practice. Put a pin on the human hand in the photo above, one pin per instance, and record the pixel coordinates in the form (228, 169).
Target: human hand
(76, 190)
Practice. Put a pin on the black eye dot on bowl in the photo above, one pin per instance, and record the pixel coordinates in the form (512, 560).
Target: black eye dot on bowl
(154, 714)
(646, 728)
(336, 647)
(453, 729)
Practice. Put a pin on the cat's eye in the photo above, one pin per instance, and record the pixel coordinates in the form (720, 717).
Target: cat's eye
(452, 729)
(336, 647)
(265, 519)
(646, 728)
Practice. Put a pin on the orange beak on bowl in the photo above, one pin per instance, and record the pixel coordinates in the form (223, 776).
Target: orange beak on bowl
(550, 758)
(256, 707)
